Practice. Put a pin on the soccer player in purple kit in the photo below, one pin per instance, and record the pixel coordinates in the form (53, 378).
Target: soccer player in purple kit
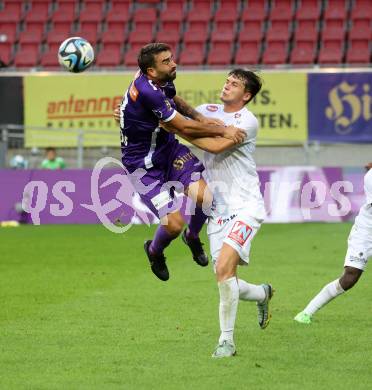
(150, 100)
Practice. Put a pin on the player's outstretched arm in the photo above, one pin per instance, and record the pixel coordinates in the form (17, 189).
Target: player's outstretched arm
(186, 110)
(189, 127)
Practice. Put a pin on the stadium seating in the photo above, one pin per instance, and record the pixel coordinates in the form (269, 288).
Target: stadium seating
(203, 32)
(303, 53)
(108, 58)
(359, 52)
(248, 53)
(308, 10)
(331, 52)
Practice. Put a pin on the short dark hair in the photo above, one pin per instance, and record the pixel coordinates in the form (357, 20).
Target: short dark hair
(252, 82)
(50, 149)
(146, 56)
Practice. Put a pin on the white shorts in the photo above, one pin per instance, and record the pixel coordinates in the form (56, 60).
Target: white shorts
(359, 248)
(236, 230)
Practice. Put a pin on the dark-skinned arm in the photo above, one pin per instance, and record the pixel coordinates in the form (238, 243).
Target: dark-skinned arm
(186, 110)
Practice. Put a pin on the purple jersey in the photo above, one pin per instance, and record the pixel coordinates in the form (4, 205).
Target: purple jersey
(143, 143)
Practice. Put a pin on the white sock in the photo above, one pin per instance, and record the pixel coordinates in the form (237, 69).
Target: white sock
(229, 298)
(330, 291)
(250, 292)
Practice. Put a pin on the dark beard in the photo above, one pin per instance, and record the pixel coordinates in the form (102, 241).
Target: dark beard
(169, 77)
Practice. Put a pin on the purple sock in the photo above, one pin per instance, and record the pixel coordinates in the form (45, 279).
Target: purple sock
(196, 223)
(161, 240)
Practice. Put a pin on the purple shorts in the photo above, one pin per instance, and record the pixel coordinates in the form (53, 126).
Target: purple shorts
(158, 187)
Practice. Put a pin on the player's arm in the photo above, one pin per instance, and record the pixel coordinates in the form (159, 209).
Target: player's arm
(213, 145)
(186, 110)
(195, 129)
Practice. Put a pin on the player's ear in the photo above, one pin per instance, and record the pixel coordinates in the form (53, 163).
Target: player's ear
(151, 72)
(246, 97)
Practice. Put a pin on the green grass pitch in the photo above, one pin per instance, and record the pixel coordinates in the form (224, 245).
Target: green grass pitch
(80, 309)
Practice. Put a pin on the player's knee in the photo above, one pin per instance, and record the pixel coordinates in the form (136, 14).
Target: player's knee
(350, 278)
(224, 270)
(174, 226)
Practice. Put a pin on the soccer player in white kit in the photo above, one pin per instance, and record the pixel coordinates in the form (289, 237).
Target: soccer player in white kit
(238, 208)
(358, 252)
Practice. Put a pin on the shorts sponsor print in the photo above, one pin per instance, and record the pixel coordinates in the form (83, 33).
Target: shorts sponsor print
(237, 230)
(359, 248)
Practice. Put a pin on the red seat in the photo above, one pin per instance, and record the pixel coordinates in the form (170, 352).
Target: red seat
(8, 31)
(145, 15)
(358, 52)
(30, 37)
(140, 37)
(64, 13)
(308, 10)
(119, 13)
(331, 52)
(248, 53)
(199, 34)
(336, 9)
(114, 46)
(306, 30)
(60, 27)
(58, 36)
(90, 35)
(275, 53)
(130, 58)
(49, 59)
(200, 11)
(303, 53)
(168, 36)
(92, 12)
(251, 31)
(108, 58)
(114, 34)
(38, 13)
(11, 12)
(219, 56)
(172, 11)
(362, 10)
(26, 58)
(224, 33)
(361, 29)
(255, 10)
(279, 30)
(5, 52)
(333, 30)
(171, 26)
(281, 10)
(191, 56)
(228, 12)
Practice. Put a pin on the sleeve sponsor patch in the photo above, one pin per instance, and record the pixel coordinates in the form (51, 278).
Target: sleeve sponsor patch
(133, 92)
(212, 108)
(240, 232)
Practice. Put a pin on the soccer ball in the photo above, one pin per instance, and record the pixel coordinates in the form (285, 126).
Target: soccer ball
(76, 54)
(18, 162)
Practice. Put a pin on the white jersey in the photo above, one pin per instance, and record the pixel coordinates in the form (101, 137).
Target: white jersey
(232, 175)
(364, 218)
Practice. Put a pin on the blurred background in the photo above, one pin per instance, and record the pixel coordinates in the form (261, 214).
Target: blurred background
(314, 56)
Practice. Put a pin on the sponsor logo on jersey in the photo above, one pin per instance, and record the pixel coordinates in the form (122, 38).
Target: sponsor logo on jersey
(212, 108)
(180, 161)
(237, 115)
(168, 104)
(240, 232)
(222, 221)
